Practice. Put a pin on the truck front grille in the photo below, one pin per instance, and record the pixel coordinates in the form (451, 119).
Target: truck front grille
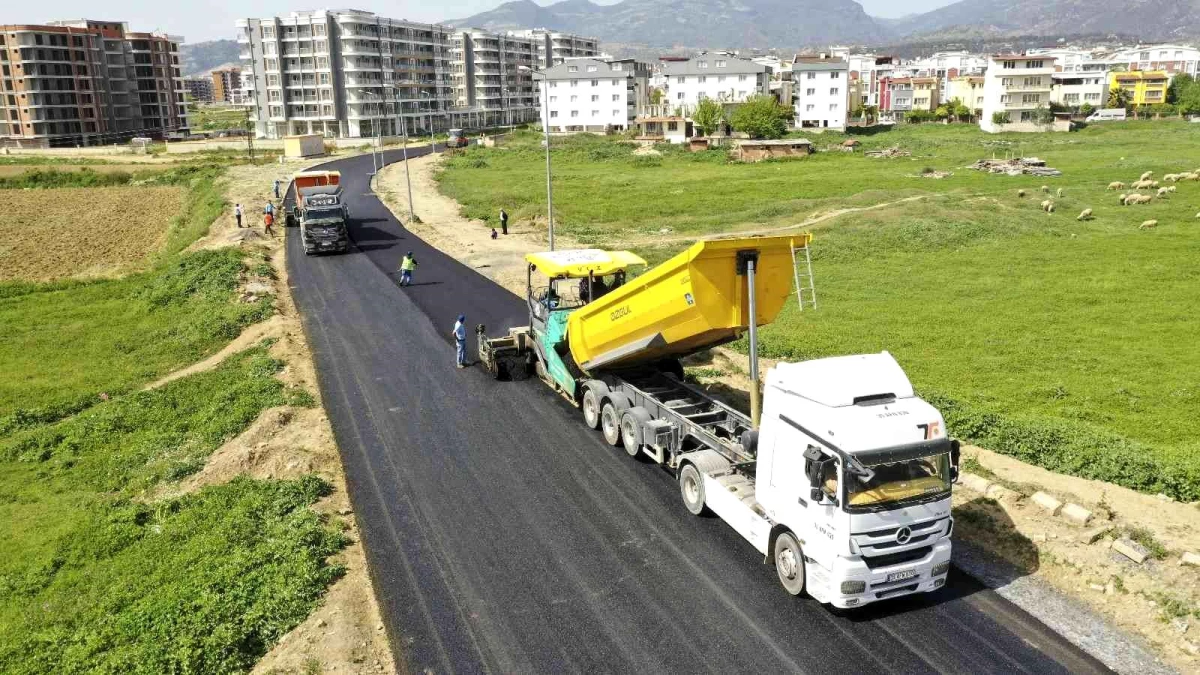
(877, 561)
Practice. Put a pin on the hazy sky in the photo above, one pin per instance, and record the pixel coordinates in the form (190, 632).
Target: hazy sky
(213, 19)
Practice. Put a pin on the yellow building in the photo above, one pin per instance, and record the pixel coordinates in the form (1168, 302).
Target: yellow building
(968, 89)
(1145, 87)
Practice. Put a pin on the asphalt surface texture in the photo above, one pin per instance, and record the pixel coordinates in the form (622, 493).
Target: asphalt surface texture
(505, 536)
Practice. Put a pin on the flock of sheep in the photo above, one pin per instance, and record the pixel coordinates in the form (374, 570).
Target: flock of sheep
(1145, 182)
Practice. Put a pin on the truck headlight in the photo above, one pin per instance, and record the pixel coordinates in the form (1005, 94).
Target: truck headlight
(853, 587)
(940, 569)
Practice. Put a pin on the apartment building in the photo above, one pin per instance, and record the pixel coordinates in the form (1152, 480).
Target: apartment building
(870, 70)
(968, 89)
(493, 78)
(345, 73)
(554, 47)
(227, 85)
(903, 95)
(1016, 84)
(593, 95)
(1075, 88)
(1144, 87)
(717, 75)
(85, 82)
(1172, 59)
(199, 89)
(820, 91)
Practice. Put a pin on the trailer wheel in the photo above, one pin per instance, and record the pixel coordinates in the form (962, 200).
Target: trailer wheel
(691, 488)
(631, 429)
(789, 563)
(610, 423)
(591, 408)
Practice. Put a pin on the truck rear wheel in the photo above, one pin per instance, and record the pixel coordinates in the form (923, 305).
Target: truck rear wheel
(789, 563)
(691, 488)
(591, 408)
(631, 429)
(610, 423)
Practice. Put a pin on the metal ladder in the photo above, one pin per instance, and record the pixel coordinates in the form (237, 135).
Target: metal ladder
(805, 276)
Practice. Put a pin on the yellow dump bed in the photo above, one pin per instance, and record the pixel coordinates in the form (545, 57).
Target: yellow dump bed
(692, 301)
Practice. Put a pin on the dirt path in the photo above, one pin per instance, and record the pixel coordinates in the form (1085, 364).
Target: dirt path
(1137, 598)
(345, 634)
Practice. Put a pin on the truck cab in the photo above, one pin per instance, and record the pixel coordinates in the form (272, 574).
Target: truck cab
(854, 472)
(322, 214)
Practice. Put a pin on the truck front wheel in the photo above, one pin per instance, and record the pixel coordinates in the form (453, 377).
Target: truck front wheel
(691, 488)
(591, 408)
(789, 563)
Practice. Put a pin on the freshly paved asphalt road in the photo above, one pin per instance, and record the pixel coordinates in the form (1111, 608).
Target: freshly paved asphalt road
(504, 536)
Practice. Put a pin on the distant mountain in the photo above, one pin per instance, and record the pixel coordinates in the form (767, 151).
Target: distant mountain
(201, 57)
(694, 23)
(1146, 19)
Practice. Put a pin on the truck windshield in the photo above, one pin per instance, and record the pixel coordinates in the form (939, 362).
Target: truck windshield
(908, 480)
(323, 214)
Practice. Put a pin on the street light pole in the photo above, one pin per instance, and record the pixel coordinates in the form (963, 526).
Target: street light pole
(404, 128)
(432, 142)
(546, 134)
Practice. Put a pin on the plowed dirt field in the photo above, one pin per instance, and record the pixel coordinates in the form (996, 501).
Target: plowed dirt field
(82, 232)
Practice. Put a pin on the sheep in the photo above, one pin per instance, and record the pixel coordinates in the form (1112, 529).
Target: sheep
(1049, 206)
(1142, 185)
(1046, 189)
(1144, 199)
(1147, 175)
(1191, 176)
(1147, 224)
(1116, 185)
(1172, 177)
(1162, 192)
(1154, 184)
(1136, 198)
(1198, 215)
(1086, 214)
(1058, 192)
(1121, 197)
(1169, 188)
(1021, 193)
(1045, 203)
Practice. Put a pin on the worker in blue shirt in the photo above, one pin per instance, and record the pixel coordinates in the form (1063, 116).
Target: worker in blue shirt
(276, 188)
(460, 340)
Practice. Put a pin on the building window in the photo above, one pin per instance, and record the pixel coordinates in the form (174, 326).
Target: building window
(1008, 65)
(1004, 98)
(1070, 98)
(595, 98)
(617, 113)
(1033, 82)
(595, 83)
(679, 96)
(617, 66)
(574, 83)
(833, 91)
(616, 83)
(595, 113)
(680, 80)
(572, 69)
(835, 75)
(1091, 97)
(1034, 64)
(720, 64)
(574, 98)
(1026, 116)
(810, 75)
(616, 97)
(702, 79)
(741, 78)
(553, 99)
(671, 126)
(720, 78)
(810, 107)
(574, 113)
(833, 107)
(811, 91)
(591, 69)
(554, 113)
(1031, 98)
(702, 64)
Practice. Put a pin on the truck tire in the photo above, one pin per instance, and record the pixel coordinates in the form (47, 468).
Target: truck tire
(610, 424)
(631, 429)
(591, 407)
(691, 488)
(789, 563)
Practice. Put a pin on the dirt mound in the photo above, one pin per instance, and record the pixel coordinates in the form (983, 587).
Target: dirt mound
(646, 151)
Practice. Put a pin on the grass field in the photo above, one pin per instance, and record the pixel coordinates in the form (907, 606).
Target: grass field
(97, 575)
(1069, 344)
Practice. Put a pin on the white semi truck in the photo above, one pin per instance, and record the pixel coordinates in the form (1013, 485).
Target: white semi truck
(844, 486)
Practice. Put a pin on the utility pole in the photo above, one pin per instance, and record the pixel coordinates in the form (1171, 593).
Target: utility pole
(407, 176)
(249, 137)
(546, 133)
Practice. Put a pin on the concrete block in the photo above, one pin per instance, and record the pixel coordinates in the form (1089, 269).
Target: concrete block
(1131, 549)
(1047, 502)
(1190, 558)
(976, 483)
(1003, 494)
(1077, 514)
(1093, 535)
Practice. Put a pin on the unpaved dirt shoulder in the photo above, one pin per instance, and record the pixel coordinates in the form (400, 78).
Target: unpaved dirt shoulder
(345, 634)
(1140, 599)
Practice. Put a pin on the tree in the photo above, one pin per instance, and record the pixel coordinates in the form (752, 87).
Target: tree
(1000, 118)
(708, 116)
(656, 96)
(871, 111)
(1086, 109)
(761, 117)
(959, 109)
(1118, 98)
(1180, 84)
(858, 112)
(1042, 116)
(942, 112)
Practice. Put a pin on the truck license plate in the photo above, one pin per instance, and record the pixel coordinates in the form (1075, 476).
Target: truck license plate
(900, 576)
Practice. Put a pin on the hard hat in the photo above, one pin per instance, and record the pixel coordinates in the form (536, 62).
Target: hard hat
(462, 317)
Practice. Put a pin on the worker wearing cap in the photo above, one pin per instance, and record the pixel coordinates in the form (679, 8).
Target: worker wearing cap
(460, 340)
(406, 269)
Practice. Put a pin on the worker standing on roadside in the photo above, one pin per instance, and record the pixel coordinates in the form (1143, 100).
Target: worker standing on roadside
(503, 221)
(460, 340)
(276, 188)
(237, 214)
(269, 208)
(268, 221)
(406, 269)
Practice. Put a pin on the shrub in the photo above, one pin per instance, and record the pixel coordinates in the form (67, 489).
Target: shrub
(761, 117)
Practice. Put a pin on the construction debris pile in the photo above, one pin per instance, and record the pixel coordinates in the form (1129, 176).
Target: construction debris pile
(1016, 166)
(894, 151)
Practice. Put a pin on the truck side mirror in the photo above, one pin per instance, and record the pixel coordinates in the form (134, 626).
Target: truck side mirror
(813, 465)
(816, 494)
(955, 456)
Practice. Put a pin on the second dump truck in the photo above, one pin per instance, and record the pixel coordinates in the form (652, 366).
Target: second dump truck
(321, 212)
(844, 486)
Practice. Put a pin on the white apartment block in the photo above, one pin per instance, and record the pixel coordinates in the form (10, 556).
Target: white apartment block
(593, 95)
(1016, 84)
(344, 73)
(721, 77)
(820, 92)
(1077, 88)
(1174, 59)
(493, 78)
(554, 47)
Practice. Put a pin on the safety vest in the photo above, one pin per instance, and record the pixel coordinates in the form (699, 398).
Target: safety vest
(407, 264)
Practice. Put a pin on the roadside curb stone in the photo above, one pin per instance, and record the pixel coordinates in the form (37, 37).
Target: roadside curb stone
(1190, 558)
(1093, 535)
(1077, 514)
(1131, 549)
(1047, 502)
(1002, 494)
(973, 482)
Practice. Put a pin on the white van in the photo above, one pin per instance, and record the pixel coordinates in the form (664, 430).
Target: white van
(1106, 114)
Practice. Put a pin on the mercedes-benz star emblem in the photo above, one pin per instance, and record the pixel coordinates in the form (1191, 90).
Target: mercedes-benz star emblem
(903, 535)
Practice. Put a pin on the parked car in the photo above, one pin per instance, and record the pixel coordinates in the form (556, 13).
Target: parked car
(457, 139)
